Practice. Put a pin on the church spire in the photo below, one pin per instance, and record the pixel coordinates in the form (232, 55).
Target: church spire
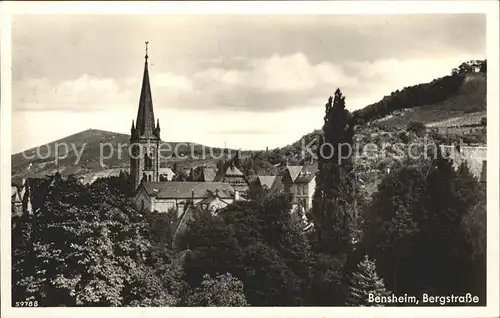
(145, 123)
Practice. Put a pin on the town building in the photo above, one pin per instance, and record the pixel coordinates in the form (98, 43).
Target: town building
(177, 196)
(299, 182)
(228, 172)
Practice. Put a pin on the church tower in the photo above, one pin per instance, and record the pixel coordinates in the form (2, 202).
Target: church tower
(145, 137)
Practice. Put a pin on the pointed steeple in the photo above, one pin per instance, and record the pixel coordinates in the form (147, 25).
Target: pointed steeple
(145, 116)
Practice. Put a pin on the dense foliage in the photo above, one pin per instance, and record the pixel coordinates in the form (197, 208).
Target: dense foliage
(334, 197)
(87, 247)
(221, 291)
(412, 96)
(261, 245)
(419, 228)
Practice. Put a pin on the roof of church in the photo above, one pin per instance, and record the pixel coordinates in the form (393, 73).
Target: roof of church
(186, 189)
(145, 123)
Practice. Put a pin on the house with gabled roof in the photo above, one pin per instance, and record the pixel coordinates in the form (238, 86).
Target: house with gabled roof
(299, 182)
(231, 174)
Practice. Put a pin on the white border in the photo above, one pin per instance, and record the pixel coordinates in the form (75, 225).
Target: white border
(294, 7)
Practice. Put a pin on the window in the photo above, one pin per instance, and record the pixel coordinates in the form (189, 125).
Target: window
(298, 189)
(148, 161)
(287, 188)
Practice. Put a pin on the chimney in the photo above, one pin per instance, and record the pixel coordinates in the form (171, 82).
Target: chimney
(236, 195)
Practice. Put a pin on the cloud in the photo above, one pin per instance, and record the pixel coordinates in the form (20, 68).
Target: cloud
(85, 93)
(271, 84)
(172, 81)
(290, 73)
(246, 73)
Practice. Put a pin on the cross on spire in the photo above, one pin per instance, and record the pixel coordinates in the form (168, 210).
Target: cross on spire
(147, 42)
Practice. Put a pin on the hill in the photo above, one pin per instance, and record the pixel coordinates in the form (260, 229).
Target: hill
(455, 100)
(80, 154)
(467, 105)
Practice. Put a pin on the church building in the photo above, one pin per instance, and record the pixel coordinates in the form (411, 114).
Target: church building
(154, 192)
(145, 137)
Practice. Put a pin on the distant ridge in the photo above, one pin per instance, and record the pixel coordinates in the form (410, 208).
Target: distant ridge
(90, 141)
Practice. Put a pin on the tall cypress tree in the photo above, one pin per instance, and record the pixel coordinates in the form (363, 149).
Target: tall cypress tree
(333, 205)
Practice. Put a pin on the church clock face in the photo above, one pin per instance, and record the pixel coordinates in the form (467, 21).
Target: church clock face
(135, 151)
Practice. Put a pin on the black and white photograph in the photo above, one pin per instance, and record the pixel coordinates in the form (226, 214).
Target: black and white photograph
(267, 159)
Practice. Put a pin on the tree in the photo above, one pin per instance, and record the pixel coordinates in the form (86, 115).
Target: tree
(327, 286)
(364, 283)
(86, 246)
(416, 127)
(441, 234)
(333, 202)
(390, 227)
(259, 244)
(179, 175)
(221, 291)
(119, 185)
(423, 229)
(483, 67)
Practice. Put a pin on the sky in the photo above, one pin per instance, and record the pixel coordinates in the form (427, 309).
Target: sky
(245, 81)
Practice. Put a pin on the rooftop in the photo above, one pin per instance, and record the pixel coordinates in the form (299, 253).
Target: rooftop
(186, 190)
(267, 181)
